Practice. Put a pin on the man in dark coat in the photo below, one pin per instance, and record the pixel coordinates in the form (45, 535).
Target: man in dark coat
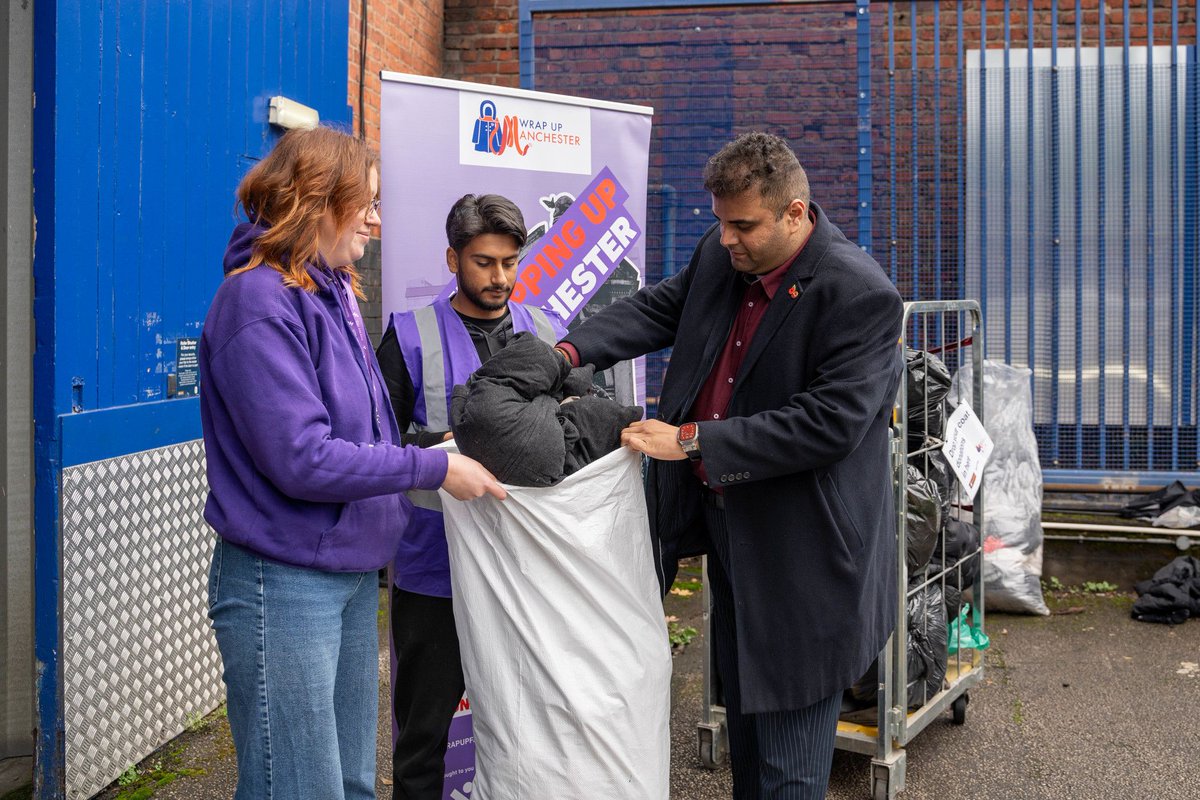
(771, 454)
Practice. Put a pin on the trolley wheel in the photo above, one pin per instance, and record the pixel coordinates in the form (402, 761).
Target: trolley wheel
(959, 708)
(712, 747)
(879, 789)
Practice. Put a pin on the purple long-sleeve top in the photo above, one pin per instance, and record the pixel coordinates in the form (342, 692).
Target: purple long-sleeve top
(298, 434)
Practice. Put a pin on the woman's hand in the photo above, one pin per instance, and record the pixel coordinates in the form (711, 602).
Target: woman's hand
(467, 479)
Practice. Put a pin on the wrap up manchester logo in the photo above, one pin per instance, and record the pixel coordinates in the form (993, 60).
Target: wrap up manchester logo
(521, 133)
(494, 135)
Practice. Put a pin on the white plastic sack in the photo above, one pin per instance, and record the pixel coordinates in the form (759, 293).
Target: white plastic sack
(564, 645)
(1012, 480)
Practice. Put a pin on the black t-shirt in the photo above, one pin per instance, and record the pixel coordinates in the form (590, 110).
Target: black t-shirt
(489, 337)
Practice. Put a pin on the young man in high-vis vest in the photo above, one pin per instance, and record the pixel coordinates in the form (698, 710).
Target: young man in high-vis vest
(423, 354)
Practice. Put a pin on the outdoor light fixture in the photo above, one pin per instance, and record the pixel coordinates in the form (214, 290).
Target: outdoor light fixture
(289, 114)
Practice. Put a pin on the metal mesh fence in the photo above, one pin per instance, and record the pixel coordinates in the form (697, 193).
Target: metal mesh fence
(1058, 187)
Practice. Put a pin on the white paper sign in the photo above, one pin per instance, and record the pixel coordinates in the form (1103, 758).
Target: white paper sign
(967, 448)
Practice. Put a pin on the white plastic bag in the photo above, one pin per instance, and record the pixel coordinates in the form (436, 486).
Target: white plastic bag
(1012, 479)
(563, 640)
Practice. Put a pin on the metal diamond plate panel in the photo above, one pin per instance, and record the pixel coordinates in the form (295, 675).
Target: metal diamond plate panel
(139, 656)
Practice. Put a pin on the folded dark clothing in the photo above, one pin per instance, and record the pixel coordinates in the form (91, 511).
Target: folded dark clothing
(1172, 595)
(1152, 505)
(510, 417)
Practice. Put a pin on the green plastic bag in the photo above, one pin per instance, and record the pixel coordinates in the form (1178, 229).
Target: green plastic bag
(964, 635)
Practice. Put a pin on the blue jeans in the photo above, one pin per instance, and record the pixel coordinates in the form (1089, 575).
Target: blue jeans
(301, 654)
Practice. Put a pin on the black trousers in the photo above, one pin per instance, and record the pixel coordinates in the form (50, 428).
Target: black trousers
(779, 755)
(426, 688)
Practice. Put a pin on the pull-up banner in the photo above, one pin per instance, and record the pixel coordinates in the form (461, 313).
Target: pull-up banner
(577, 170)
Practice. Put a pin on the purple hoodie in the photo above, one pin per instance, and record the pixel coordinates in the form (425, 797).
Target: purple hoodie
(301, 465)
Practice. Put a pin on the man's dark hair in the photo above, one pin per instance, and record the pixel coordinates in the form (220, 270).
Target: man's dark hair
(758, 159)
(475, 215)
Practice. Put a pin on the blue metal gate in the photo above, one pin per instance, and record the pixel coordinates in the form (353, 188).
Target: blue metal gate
(1042, 160)
(147, 114)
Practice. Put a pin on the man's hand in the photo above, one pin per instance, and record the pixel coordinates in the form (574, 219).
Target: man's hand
(467, 479)
(655, 438)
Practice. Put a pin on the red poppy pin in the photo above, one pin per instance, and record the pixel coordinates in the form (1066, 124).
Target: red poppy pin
(793, 292)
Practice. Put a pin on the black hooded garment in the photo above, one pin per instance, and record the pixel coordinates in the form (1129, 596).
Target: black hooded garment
(1172, 595)
(531, 419)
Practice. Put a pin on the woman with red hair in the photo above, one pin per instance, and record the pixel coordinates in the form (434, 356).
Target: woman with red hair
(305, 473)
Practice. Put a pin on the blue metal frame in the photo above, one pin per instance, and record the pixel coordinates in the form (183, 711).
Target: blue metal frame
(1101, 236)
(1055, 236)
(1008, 231)
(893, 231)
(937, 145)
(49, 776)
(1191, 245)
(112, 432)
(1044, 286)
(1150, 232)
(1030, 228)
(179, 89)
(1177, 355)
(1079, 231)
(1126, 239)
(866, 203)
(983, 166)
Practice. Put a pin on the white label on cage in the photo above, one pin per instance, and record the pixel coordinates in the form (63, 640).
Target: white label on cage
(967, 448)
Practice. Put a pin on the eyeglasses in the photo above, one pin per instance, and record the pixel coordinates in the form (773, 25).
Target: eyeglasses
(374, 207)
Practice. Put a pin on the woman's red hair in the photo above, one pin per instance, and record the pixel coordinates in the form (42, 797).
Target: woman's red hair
(307, 173)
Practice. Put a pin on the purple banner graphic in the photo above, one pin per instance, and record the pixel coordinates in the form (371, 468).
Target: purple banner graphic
(567, 264)
(577, 169)
(570, 262)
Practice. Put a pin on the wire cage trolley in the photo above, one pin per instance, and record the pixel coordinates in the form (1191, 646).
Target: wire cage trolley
(938, 565)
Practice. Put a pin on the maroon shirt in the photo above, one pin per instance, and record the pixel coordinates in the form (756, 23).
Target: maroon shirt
(713, 401)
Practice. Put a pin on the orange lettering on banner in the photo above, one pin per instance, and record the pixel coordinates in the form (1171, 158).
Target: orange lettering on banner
(573, 234)
(512, 137)
(593, 209)
(557, 251)
(601, 198)
(531, 276)
(547, 270)
(607, 191)
(518, 293)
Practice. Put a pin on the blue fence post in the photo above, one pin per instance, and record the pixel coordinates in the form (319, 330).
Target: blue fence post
(960, 143)
(1055, 236)
(1030, 204)
(1101, 237)
(937, 149)
(865, 167)
(1008, 232)
(50, 766)
(1126, 231)
(1150, 225)
(1176, 350)
(983, 166)
(893, 232)
(914, 175)
(525, 41)
(1078, 234)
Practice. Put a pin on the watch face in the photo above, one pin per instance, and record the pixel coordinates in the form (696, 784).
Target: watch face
(687, 431)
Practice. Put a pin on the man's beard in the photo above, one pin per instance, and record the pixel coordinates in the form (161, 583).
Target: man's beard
(482, 301)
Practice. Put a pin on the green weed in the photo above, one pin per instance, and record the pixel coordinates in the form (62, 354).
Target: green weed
(680, 636)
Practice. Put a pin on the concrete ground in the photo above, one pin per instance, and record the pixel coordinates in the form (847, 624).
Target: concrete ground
(1085, 703)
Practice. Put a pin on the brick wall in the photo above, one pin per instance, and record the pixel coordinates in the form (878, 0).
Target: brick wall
(401, 37)
(481, 42)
